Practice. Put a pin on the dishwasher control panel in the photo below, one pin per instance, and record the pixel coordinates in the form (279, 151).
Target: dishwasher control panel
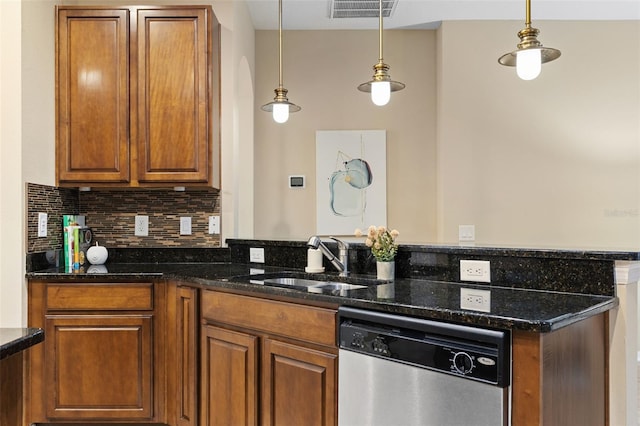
(477, 354)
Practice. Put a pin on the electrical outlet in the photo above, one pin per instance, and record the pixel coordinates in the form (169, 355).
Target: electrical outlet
(185, 225)
(256, 255)
(142, 226)
(474, 299)
(214, 224)
(475, 270)
(42, 224)
(466, 232)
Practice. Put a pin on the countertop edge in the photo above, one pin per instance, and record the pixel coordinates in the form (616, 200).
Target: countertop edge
(575, 317)
(468, 317)
(30, 337)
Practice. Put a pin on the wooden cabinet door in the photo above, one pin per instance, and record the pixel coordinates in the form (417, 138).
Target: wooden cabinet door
(92, 54)
(229, 377)
(299, 385)
(186, 362)
(172, 85)
(99, 367)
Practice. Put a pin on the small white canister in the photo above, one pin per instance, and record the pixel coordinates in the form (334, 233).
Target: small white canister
(97, 255)
(314, 261)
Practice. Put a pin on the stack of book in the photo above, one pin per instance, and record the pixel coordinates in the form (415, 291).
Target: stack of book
(73, 256)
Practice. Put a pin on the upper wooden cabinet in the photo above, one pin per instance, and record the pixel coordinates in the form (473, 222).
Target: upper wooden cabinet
(137, 96)
(92, 95)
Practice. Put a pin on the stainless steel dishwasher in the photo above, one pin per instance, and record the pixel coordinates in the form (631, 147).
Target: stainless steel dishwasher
(400, 371)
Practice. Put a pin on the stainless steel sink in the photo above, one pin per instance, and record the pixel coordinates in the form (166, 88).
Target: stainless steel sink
(338, 286)
(292, 281)
(334, 288)
(313, 286)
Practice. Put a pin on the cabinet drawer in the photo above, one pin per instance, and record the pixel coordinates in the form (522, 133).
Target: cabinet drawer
(120, 297)
(305, 323)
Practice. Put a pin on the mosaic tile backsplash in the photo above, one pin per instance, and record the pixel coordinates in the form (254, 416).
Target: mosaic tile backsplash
(55, 202)
(111, 215)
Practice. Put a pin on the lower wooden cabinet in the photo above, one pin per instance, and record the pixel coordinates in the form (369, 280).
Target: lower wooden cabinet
(230, 379)
(170, 353)
(102, 358)
(298, 385)
(267, 362)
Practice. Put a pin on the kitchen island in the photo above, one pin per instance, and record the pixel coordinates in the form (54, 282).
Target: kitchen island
(13, 342)
(559, 338)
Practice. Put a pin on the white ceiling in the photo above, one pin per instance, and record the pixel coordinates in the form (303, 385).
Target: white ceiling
(314, 14)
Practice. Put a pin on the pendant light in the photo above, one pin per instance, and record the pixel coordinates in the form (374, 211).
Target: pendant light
(280, 107)
(530, 56)
(381, 85)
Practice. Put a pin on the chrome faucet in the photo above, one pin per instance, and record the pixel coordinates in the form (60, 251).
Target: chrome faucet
(341, 265)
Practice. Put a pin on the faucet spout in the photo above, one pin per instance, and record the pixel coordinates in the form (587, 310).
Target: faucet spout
(340, 264)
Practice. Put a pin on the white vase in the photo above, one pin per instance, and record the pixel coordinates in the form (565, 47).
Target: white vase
(386, 270)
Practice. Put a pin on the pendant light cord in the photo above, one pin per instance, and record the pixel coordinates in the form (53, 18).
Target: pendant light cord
(280, 44)
(527, 21)
(380, 35)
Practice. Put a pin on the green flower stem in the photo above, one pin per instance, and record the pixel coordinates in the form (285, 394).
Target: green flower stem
(387, 249)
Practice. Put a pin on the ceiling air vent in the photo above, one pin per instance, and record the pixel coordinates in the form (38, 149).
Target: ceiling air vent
(361, 8)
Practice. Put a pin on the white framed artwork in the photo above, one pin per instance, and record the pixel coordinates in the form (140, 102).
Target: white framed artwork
(351, 180)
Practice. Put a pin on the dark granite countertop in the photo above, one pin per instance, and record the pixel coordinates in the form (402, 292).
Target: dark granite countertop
(511, 308)
(14, 340)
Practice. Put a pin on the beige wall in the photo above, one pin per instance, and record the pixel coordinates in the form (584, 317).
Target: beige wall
(11, 229)
(38, 91)
(553, 162)
(322, 70)
(550, 162)
(26, 136)
(238, 65)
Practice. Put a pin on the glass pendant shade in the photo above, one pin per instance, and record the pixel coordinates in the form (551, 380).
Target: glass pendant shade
(380, 92)
(280, 108)
(280, 113)
(528, 63)
(530, 56)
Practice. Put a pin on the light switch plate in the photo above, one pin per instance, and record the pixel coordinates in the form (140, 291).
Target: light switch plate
(214, 224)
(466, 233)
(42, 224)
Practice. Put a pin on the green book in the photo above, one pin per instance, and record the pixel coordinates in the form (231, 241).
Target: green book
(68, 221)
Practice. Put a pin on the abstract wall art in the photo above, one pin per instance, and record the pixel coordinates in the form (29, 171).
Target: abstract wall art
(351, 180)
